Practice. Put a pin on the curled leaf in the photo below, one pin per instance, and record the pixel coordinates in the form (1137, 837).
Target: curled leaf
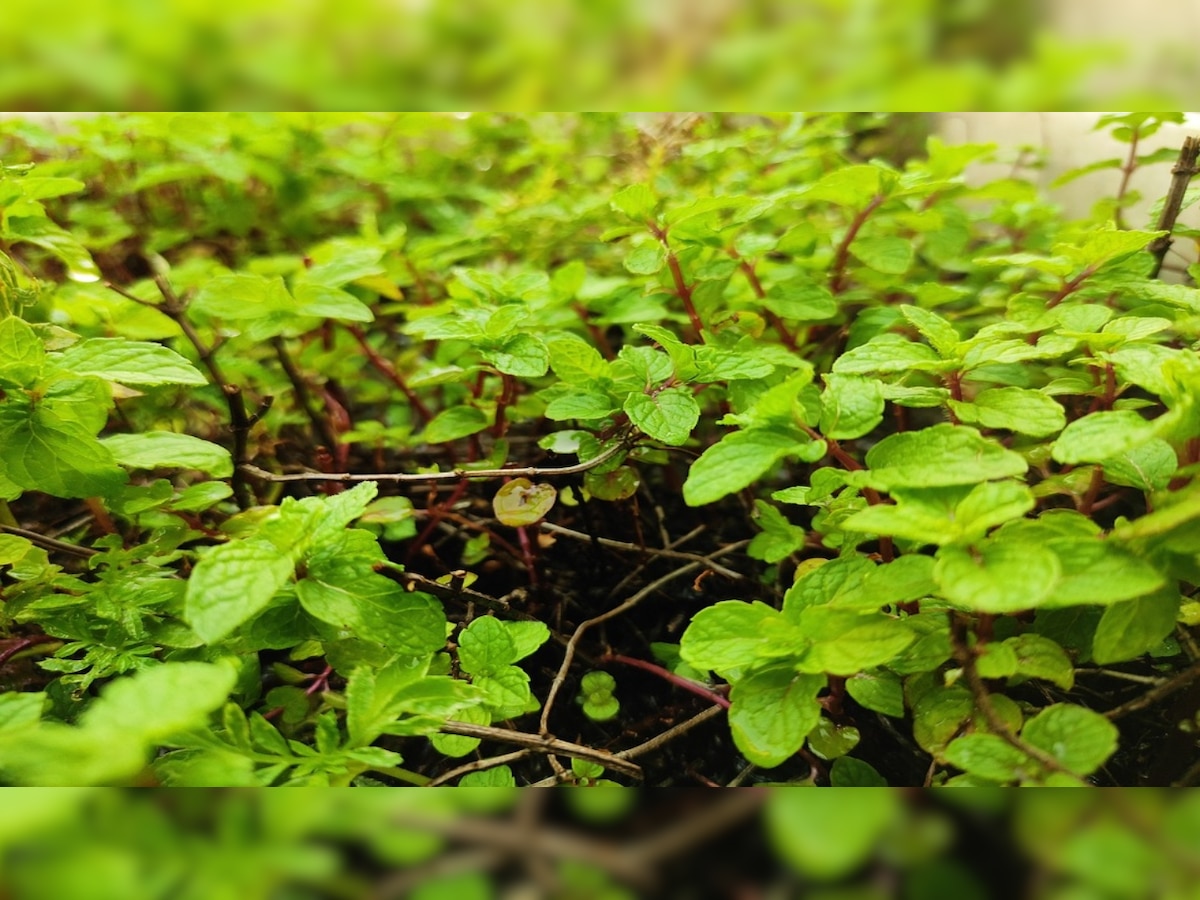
(521, 502)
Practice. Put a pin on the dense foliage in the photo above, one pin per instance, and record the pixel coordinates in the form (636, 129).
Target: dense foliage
(335, 448)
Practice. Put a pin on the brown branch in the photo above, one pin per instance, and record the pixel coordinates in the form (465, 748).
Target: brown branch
(1156, 693)
(965, 656)
(634, 548)
(671, 733)
(541, 743)
(1181, 174)
(479, 765)
(49, 543)
(320, 424)
(239, 422)
(452, 475)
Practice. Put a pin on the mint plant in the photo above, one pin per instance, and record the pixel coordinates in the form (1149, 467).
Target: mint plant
(316, 470)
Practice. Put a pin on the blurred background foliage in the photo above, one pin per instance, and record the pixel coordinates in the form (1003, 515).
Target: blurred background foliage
(430, 54)
(472, 844)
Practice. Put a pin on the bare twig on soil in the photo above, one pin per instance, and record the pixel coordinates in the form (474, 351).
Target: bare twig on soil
(452, 475)
(541, 743)
(629, 604)
(634, 548)
(479, 765)
(1156, 693)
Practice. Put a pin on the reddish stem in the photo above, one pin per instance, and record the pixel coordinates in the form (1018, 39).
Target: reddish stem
(682, 289)
(1070, 287)
(508, 392)
(436, 514)
(390, 373)
(837, 282)
(666, 675)
(747, 269)
(527, 553)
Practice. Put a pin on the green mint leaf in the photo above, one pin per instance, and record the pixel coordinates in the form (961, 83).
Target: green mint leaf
(989, 504)
(779, 538)
(575, 361)
(647, 365)
(1133, 627)
(372, 697)
(726, 636)
(40, 451)
(683, 356)
(242, 297)
(997, 576)
(888, 353)
(847, 186)
(618, 484)
(1014, 409)
(942, 336)
(1040, 657)
(127, 362)
(454, 423)
(889, 255)
(938, 456)
(939, 715)
(485, 647)
(848, 772)
(1080, 739)
(771, 712)
(1099, 572)
(830, 741)
(668, 416)
(855, 643)
(325, 302)
(343, 260)
(989, 757)
(155, 703)
(166, 449)
(507, 692)
(1147, 467)
(495, 777)
(740, 459)
(1175, 509)
(581, 403)
(40, 231)
(231, 584)
(851, 406)
(996, 660)
(802, 299)
(22, 355)
(636, 201)
(1101, 435)
(1100, 246)
(522, 355)
(713, 364)
(646, 259)
(823, 837)
(839, 583)
(527, 637)
(341, 587)
(879, 691)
